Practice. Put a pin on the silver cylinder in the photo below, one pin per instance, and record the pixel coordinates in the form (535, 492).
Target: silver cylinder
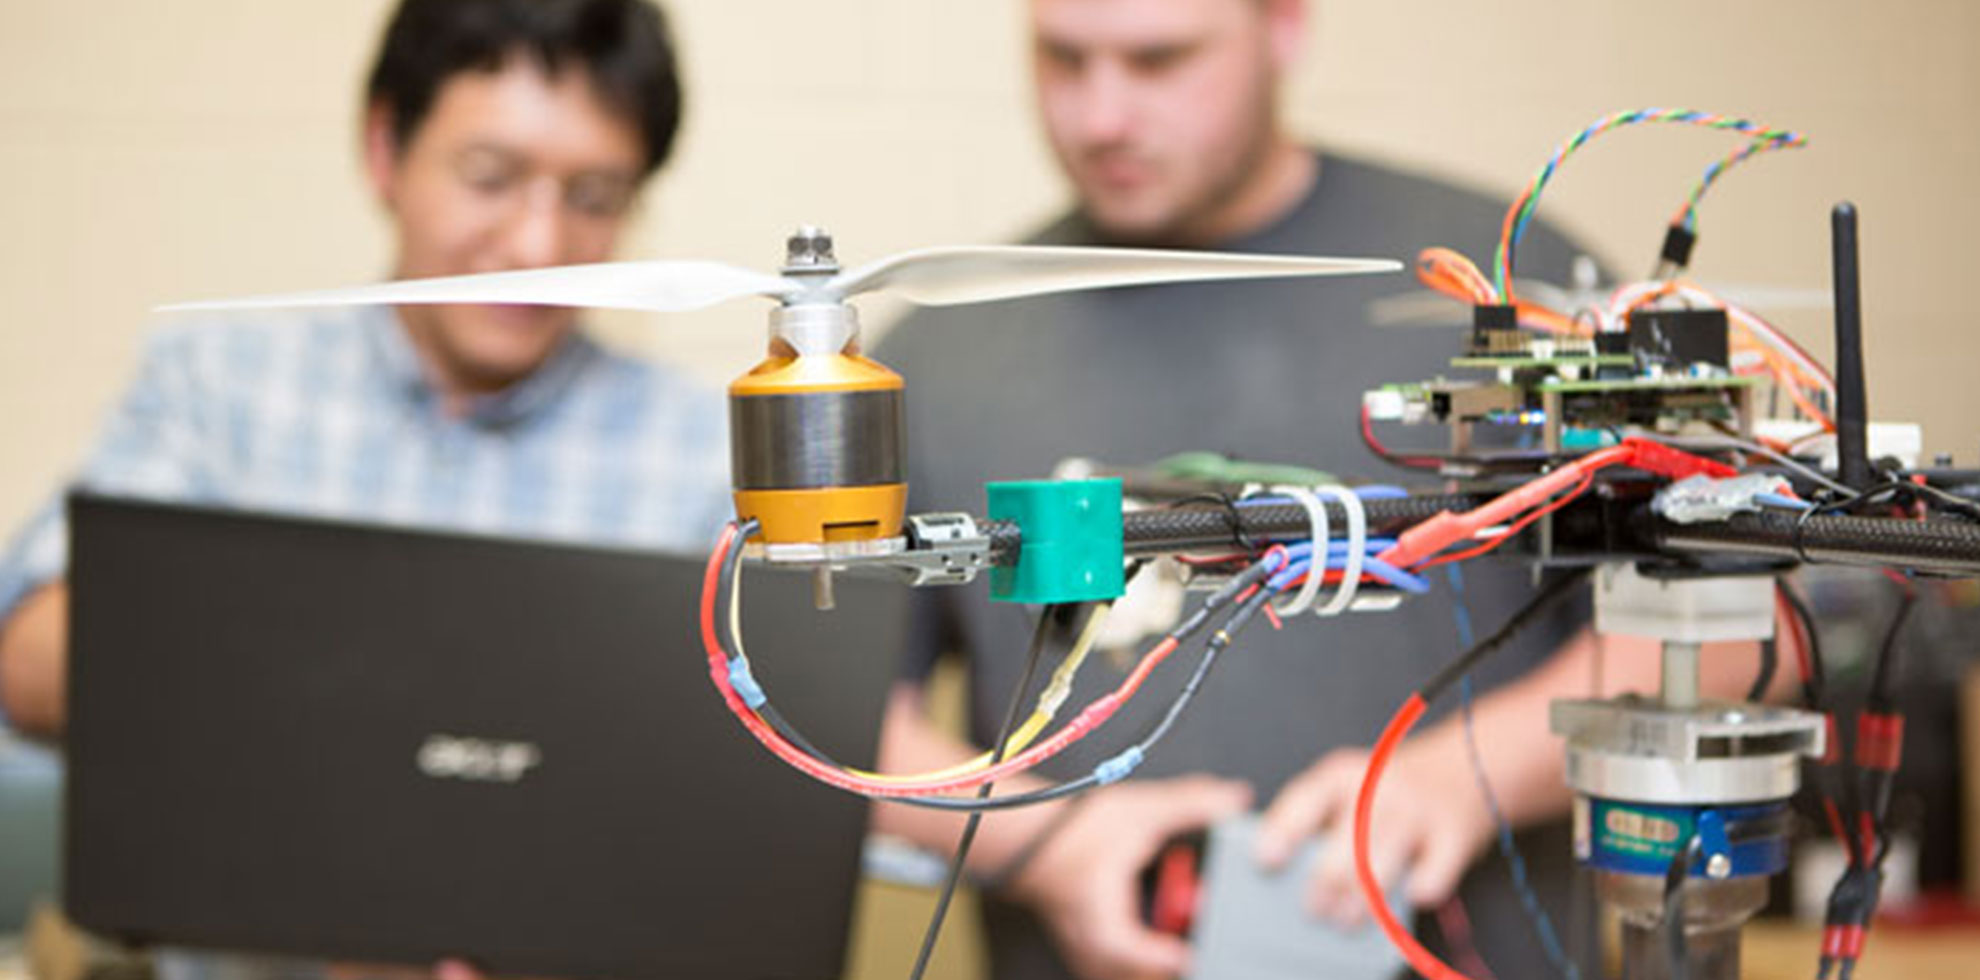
(1713, 913)
(816, 439)
(1680, 690)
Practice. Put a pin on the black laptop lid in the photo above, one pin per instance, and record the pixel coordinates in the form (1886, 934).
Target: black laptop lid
(369, 744)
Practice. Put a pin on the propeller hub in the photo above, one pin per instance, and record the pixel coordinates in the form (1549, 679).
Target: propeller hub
(816, 328)
(809, 252)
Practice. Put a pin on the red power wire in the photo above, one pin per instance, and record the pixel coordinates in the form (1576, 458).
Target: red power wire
(1375, 445)
(1587, 480)
(1091, 717)
(1420, 959)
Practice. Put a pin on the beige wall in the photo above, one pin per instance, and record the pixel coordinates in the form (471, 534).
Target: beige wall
(156, 151)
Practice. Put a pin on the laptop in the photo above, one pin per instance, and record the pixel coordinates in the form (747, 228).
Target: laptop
(376, 745)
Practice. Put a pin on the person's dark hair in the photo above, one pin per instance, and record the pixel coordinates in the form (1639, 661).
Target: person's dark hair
(622, 44)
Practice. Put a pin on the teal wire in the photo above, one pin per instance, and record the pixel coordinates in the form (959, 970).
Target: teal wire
(1543, 924)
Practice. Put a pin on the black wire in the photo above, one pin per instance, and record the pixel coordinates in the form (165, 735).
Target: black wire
(1091, 780)
(1943, 499)
(1770, 663)
(1880, 784)
(1254, 575)
(1740, 831)
(928, 939)
(1547, 596)
(1217, 643)
(1674, 940)
(1880, 677)
(1814, 685)
(1229, 503)
(1224, 594)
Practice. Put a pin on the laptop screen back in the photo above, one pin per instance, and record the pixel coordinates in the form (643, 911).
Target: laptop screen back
(371, 744)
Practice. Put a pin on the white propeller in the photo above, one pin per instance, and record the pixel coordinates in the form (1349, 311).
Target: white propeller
(655, 287)
(933, 277)
(975, 274)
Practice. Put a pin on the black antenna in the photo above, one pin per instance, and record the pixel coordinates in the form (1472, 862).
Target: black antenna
(1852, 408)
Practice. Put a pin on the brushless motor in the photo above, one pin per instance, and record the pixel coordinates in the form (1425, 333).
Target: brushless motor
(815, 430)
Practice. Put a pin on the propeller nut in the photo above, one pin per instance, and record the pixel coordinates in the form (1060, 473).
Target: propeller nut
(809, 249)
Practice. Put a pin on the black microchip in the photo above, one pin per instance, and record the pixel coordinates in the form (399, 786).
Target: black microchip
(1679, 338)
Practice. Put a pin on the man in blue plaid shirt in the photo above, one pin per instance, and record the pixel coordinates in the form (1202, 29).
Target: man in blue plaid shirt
(498, 134)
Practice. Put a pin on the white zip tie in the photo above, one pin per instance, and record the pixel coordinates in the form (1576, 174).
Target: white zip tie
(1316, 516)
(1357, 547)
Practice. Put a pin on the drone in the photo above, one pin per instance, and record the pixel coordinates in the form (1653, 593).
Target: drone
(816, 428)
(1685, 539)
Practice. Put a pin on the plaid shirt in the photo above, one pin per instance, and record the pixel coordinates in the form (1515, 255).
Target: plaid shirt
(328, 414)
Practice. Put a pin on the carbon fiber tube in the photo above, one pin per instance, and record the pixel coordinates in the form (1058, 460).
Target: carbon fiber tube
(1942, 546)
(1948, 547)
(1195, 527)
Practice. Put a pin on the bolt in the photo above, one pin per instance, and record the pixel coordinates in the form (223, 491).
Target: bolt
(1718, 866)
(809, 249)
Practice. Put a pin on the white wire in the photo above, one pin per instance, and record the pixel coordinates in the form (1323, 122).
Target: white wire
(1627, 296)
(1316, 516)
(1357, 546)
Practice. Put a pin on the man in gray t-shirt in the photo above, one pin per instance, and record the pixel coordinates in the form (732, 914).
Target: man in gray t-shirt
(1163, 116)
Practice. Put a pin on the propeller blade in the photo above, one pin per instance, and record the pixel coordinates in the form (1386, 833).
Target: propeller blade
(653, 287)
(1418, 308)
(1766, 297)
(974, 274)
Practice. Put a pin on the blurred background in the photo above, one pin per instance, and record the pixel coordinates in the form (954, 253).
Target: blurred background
(152, 152)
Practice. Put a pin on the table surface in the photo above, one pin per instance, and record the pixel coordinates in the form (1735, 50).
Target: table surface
(1783, 951)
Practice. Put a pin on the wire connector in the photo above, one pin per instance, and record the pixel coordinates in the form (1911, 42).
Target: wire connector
(745, 684)
(1117, 768)
(1678, 242)
(1700, 498)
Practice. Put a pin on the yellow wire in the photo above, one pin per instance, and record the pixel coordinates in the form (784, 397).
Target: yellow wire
(1049, 700)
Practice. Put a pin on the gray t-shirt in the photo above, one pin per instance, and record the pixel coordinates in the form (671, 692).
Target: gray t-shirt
(1270, 370)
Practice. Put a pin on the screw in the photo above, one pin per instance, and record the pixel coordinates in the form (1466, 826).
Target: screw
(1718, 866)
(809, 249)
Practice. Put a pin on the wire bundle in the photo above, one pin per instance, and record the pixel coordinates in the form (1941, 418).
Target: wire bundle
(1760, 345)
(1421, 959)
(1866, 783)
(729, 670)
(1520, 215)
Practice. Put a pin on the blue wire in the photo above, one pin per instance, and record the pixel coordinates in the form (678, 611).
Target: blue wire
(1380, 491)
(1781, 500)
(1300, 558)
(1405, 581)
(1543, 925)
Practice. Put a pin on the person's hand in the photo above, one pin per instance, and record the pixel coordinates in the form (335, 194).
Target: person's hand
(1085, 881)
(456, 970)
(1428, 824)
(448, 969)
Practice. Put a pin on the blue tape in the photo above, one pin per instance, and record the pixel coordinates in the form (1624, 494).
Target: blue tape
(1641, 838)
(1117, 768)
(745, 684)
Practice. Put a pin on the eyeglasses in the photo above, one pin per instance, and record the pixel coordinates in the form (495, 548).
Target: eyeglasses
(498, 175)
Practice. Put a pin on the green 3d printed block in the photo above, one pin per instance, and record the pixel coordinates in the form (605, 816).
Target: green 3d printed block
(1072, 540)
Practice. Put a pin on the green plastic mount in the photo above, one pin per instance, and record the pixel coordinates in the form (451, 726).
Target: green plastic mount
(1072, 549)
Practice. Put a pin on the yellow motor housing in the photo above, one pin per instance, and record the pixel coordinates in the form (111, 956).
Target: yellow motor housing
(815, 448)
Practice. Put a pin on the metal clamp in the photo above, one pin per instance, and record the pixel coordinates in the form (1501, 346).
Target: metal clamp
(944, 549)
(938, 549)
